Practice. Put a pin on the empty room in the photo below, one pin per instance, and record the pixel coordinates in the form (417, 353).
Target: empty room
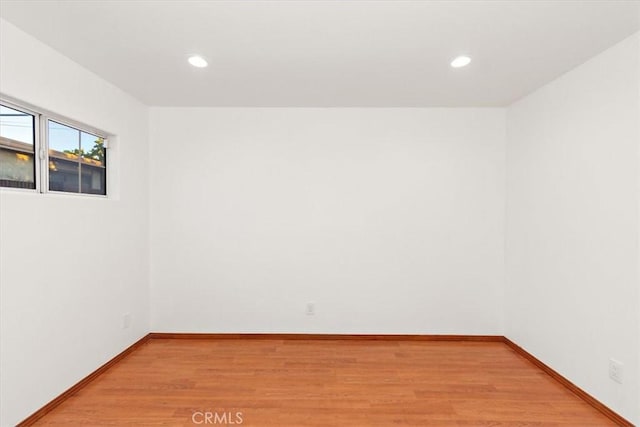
(319, 213)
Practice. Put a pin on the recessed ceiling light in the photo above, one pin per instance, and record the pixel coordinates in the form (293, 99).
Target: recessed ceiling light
(460, 61)
(198, 61)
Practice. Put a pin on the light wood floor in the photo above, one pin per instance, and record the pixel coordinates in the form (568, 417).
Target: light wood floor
(325, 383)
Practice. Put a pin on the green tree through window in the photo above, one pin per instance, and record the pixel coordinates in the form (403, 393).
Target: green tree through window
(96, 152)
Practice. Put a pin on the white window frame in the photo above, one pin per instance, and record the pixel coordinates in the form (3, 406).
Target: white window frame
(44, 125)
(36, 145)
(41, 147)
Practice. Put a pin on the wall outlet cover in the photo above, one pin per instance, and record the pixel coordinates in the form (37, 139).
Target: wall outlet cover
(616, 370)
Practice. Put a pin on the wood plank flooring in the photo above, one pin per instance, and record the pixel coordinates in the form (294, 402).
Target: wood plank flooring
(177, 382)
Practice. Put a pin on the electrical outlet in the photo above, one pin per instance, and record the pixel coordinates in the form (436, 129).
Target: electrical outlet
(126, 321)
(311, 309)
(615, 370)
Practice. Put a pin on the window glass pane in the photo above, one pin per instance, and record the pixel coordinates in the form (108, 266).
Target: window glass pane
(93, 180)
(93, 176)
(92, 146)
(63, 175)
(63, 139)
(17, 136)
(64, 158)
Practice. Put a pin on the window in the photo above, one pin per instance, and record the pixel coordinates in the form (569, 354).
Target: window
(64, 157)
(76, 160)
(17, 148)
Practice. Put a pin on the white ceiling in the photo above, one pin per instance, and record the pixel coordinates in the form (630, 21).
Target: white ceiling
(327, 53)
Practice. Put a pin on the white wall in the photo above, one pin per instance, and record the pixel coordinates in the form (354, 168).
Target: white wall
(638, 190)
(572, 225)
(389, 220)
(70, 266)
